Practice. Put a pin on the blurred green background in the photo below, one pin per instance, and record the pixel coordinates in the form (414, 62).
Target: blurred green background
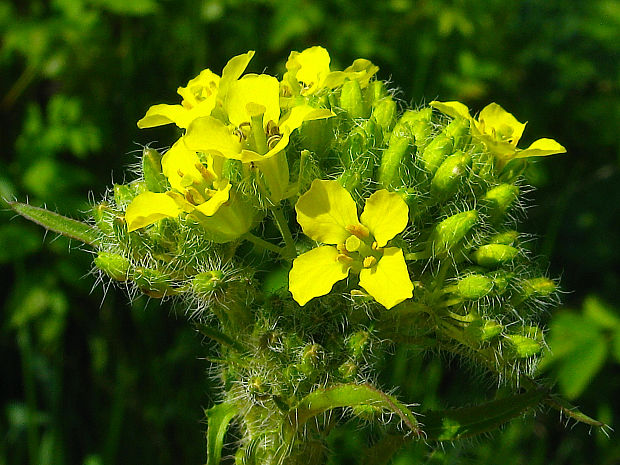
(91, 379)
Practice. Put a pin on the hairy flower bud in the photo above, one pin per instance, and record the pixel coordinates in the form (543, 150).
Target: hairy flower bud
(114, 265)
(492, 255)
(450, 232)
(449, 175)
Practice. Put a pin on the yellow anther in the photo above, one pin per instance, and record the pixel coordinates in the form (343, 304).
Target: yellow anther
(344, 259)
(204, 172)
(369, 261)
(193, 196)
(353, 244)
(358, 230)
(342, 248)
(375, 246)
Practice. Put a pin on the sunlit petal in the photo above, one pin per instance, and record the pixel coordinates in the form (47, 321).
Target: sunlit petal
(388, 282)
(149, 207)
(385, 215)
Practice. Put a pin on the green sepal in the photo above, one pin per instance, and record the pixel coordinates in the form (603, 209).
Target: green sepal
(218, 419)
(450, 425)
(53, 221)
(152, 171)
(351, 99)
(447, 179)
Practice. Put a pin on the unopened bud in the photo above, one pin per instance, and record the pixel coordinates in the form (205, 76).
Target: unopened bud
(152, 282)
(451, 231)
(348, 370)
(506, 238)
(104, 217)
(311, 359)
(436, 151)
(492, 255)
(351, 99)
(474, 286)
(449, 175)
(384, 112)
(152, 172)
(522, 346)
(391, 159)
(539, 287)
(500, 199)
(114, 265)
(204, 284)
(357, 343)
(125, 193)
(458, 129)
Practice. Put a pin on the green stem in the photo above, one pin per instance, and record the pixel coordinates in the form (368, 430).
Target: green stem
(282, 224)
(423, 255)
(263, 244)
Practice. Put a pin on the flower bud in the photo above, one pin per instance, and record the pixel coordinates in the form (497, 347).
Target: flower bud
(152, 172)
(104, 217)
(114, 265)
(522, 346)
(435, 152)
(391, 159)
(206, 283)
(384, 112)
(125, 193)
(502, 280)
(542, 286)
(311, 359)
(373, 93)
(351, 99)
(357, 343)
(451, 231)
(500, 199)
(492, 255)
(458, 129)
(152, 282)
(506, 238)
(474, 286)
(348, 370)
(448, 177)
(483, 330)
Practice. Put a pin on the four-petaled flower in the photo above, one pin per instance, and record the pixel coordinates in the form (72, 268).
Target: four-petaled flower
(500, 131)
(328, 214)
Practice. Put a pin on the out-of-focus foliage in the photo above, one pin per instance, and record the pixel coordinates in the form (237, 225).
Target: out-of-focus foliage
(90, 379)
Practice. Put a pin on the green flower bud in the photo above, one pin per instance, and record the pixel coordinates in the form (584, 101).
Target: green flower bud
(474, 286)
(483, 330)
(374, 93)
(542, 286)
(522, 346)
(351, 99)
(448, 177)
(114, 265)
(258, 388)
(348, 370)
(458, 129)
(421, 131)
(506, 238)
(436, 151)
(152, 282)
(125, 193)
(492, 255)
(357, 343)
(384, 113)
(104, 216)
(205, 284)
(311, 359)
(450, 232)
(152, 172)
(501, 280)
(391, 159)
(500, 199)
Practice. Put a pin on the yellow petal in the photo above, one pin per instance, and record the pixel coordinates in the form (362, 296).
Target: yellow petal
(161, 114)
(230, 221)
(310, 67)
(453, 109)
(257, 89)
(314, 273)
(149, 207)
(302, 113)
(541, 148)
(179, 166)
(361, 70)
(218, 199)
(325, 211)
(388, 282)
(385, 215)
(233, 71)
(200, 89)
(210, 135)
(498, 123)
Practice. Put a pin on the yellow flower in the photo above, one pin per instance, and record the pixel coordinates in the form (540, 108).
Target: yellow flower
(308, 72)
(500, 131)
(196, 189)
(200, 96)
(257, 130)
(328, 214)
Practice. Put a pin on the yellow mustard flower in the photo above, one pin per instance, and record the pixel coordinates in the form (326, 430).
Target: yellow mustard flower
(257, 130)
(196, 189)
(200, 96)
(500, 131)
(308, 72)
(328, 214)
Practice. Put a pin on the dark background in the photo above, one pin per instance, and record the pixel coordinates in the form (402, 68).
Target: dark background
(89, 378)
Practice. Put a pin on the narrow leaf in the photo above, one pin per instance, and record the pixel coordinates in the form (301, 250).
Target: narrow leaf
(218, 418)
(465, 422)
(349, 395)
(570, 411)
(57, 223)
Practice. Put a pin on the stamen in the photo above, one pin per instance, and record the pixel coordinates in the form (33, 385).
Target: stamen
(344, 259)
(369, 262)
(204, 172)
(358, 230)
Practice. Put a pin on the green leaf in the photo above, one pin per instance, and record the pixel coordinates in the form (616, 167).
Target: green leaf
(349, 395)
(465, 422)
(57, 223)
(570, 411)
(218, 418)
(598, 312)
